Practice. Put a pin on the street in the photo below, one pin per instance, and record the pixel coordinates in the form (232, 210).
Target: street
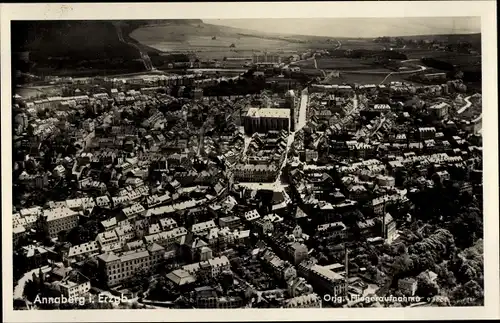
(467, 105)
(144, 56)
(304, 100)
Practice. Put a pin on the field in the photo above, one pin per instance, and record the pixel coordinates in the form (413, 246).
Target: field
(368, 79)
(27, 92)
(209, 41)
(338, 63)
(361, 44)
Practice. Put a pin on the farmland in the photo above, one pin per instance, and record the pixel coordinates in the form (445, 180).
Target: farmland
(368, 79)
(361, 44)
(35, 91)
(335, 63)
(210, 41)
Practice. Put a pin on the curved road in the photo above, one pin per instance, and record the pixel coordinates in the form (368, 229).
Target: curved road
(420, 69)
(326, 73)
(144, 56)
(466, 106)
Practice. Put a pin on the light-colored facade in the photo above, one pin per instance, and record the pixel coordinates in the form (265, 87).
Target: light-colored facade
(75, 285)
(120, 268)
(408, 286)
(83, 250)
(60, 219)
(326, 280)
(297, 251)
(255, 173)
(304, 301)
(440, 110)
(266, 119)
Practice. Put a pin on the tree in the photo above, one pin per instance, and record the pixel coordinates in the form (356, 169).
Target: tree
(19, 264)
(49, 292)
(226, 281)
(426, 287)
(470, 294)
(31, 289)
(99, 305)
(402, 264)
(83, 233)
(140, 279)
(467, 227)
(163, 290)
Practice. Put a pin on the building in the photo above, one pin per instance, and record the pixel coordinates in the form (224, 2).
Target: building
(298, 286)
(198, 94)
(134, 211)
(440, 110)
(304, 301)
(266, 119)
(60, 219)
(389, 232)
(266, 58)
(264, 226)
(125, 232)
(367, 228)
(255, 173)
(291, 102)
(35, 256)
(103, 202)
(441, 176)
(408, 286)
(108, 240)
(281, 269)
(251, 216)
(211, 267)
(18, 232)
(427, 133)
(297, 251)
(231, 222)
(203, 228)
(325, 280)
(335, 230)
(75, 285)
(383, 180)
(206, 297)
(83, 250)
(181, 277)
(167, 238)
(119, 268)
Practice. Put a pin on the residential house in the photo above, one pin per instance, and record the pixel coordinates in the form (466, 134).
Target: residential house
(304, 301)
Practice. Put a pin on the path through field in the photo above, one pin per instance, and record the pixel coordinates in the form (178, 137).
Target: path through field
(144, 56)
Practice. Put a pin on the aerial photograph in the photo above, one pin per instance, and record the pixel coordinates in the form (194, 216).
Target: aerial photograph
(247, 163)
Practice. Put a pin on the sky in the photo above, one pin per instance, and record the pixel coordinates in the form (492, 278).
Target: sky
(358, 27)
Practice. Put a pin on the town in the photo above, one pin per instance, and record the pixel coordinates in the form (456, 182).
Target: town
(238, 184)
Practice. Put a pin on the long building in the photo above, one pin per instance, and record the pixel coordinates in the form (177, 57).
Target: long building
(266, 58)
(266, 119)
(119, 268)
(60, 219)
(255, 173)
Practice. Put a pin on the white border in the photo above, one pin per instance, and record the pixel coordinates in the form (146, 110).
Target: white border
(485, 9)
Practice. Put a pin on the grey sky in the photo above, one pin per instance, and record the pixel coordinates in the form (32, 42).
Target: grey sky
(358, 27)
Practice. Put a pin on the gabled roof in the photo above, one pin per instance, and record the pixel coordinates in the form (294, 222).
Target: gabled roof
(108, 257)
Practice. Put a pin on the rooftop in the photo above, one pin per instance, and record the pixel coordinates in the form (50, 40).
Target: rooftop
(268, 113)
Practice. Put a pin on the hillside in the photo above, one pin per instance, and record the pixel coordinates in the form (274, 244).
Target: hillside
(474, 39)
(77, 47)
(93, 47)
